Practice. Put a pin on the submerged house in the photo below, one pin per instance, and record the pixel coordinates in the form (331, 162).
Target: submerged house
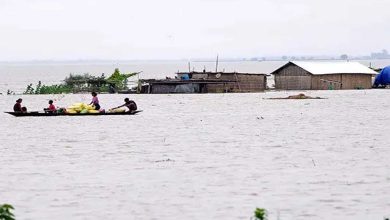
(207, 82)
(323, 75)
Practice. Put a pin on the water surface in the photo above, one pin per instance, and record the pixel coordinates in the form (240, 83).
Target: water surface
(208, 156)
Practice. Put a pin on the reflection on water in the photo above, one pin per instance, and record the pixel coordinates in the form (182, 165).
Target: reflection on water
(208, 156)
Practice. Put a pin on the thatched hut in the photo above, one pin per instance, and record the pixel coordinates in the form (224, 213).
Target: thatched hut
(323, 75)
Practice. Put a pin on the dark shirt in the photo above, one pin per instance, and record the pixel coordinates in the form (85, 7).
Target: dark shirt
(131, 105)
(17, 107)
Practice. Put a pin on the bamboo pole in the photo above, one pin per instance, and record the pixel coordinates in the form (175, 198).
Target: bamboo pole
(216, 65)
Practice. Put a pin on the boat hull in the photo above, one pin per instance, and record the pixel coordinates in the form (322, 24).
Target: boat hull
(43, 114)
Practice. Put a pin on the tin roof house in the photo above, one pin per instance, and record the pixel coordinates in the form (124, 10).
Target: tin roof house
(323, 75)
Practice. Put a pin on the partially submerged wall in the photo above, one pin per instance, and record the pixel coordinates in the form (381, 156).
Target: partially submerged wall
(292, 77)
(357, 81)
(251, 83)
(244, 83)
(342, 81)
(325, 82)
(175, 88)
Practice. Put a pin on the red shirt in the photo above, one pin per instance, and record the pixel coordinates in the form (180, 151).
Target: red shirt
(52, 107)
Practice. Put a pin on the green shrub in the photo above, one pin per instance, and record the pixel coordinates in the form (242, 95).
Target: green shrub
(260, 214)
(5, 212)
(83, 83)
(44, 89)
(119, 80)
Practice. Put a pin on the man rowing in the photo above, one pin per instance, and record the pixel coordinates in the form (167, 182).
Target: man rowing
(130, 104)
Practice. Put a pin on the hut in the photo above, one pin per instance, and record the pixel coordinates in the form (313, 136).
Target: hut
(323, 75)
(207, 82)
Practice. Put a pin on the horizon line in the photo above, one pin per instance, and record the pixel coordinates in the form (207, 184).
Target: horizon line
(205, 59)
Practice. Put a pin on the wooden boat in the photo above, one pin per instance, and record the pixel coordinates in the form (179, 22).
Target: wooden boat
(50, 114)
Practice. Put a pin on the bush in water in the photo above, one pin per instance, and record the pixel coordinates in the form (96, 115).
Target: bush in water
(260, 214)
(5, 212)
(43, 89)
(75, 83)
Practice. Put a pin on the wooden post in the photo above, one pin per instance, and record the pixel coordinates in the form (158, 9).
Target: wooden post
(216, 65)
(238, 83)
(138, 84)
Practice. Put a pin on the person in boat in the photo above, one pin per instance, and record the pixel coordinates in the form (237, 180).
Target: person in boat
(95, 101)
(51, 108)
(130, 104)
(18, 106)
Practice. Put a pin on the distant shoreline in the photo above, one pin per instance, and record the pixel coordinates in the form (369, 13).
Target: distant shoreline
(205, 60)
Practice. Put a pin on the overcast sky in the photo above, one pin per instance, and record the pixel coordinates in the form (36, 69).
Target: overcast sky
(176, 29)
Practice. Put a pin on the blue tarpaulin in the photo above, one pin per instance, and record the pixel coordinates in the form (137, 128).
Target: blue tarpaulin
(383, 78)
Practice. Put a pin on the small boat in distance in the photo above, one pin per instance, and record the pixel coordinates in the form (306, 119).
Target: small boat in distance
(50, 114)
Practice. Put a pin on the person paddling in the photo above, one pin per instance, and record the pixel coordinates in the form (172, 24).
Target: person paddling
(18, 106)
(95, 101)
(130, 104)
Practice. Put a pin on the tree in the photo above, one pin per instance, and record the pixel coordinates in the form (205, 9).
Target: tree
(119, 80)
(344, 57)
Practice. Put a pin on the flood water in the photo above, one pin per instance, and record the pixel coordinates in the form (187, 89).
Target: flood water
(201, 156)
(15, 76)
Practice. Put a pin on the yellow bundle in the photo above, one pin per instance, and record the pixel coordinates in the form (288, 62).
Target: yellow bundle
(117, 110)
(78, 104)
(93, 111)
(84, 111)
(71, 111)
(80, 108)
(90, 107)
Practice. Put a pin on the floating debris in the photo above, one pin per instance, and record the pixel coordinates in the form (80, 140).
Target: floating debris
(167, 160)
(299, 96)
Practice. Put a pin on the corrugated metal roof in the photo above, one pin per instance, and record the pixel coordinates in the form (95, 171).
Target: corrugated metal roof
(322, 68)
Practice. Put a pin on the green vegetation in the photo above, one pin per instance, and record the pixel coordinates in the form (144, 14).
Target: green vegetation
(119, 80)
(76, 83)
(86, 83)
(77, 79)
(260, 214)
(5, 212)
(43, 89)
